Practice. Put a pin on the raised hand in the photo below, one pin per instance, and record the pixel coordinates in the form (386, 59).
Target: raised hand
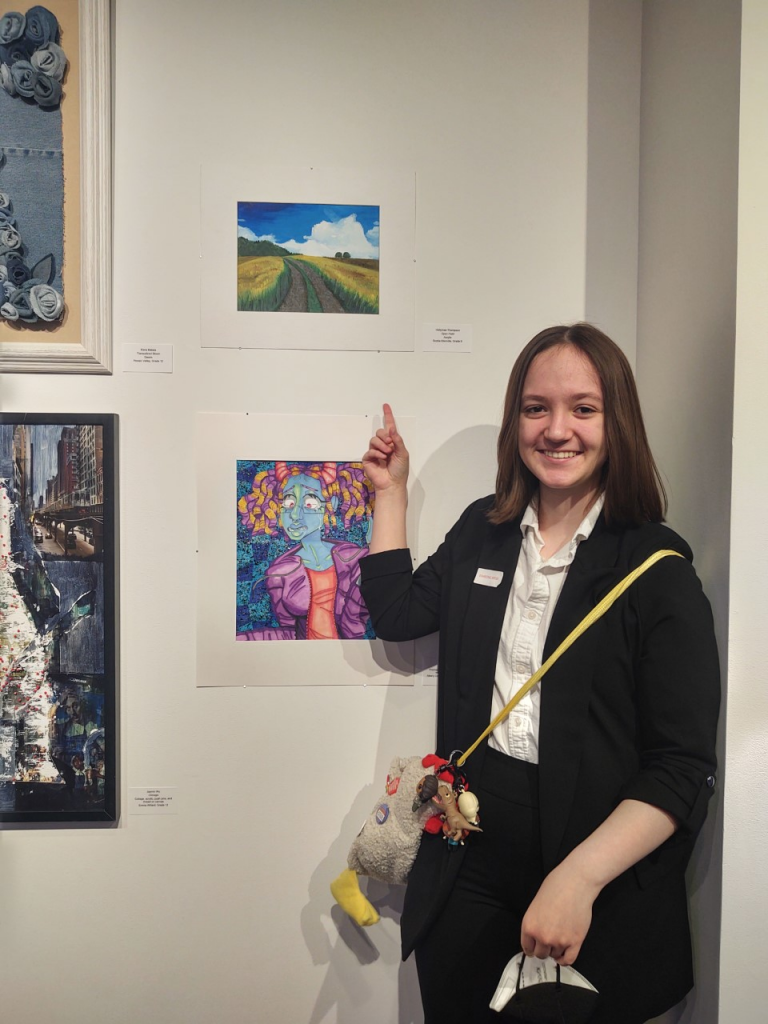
(386, 461)
(386, 466)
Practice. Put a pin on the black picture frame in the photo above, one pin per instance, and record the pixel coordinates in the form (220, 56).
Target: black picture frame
(58, 618)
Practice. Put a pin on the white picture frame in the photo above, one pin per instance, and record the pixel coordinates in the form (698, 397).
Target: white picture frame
(92, 351)
(222, 439)
(222, 325)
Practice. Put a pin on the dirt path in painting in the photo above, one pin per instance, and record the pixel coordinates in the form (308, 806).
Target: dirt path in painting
(328, 300)
(296, 299)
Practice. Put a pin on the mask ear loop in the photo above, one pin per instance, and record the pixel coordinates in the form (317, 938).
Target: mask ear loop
(520, 975)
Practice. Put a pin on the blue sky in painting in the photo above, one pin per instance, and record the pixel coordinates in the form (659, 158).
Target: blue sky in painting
(6, 451)
(312, 229)
(45, 439)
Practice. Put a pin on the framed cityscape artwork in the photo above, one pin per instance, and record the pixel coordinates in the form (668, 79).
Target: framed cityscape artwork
(58, 675)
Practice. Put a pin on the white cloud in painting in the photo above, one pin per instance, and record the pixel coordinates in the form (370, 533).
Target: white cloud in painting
(373, 235)
(345, 235)
(243, 232)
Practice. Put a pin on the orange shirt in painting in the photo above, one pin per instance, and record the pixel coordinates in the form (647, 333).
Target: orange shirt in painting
(321, 623)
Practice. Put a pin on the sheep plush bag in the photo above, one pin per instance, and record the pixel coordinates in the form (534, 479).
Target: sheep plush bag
(423, 794)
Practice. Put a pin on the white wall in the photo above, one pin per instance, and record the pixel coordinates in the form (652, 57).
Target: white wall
(685, 344)
(613, 176)
(222, 912)
(745, 884)
(521, 121)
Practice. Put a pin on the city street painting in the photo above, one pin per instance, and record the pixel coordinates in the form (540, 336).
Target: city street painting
(302, 528)
(57, 618)
(307, 258)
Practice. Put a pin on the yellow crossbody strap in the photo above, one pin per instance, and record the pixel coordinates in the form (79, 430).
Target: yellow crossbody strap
(599, 610)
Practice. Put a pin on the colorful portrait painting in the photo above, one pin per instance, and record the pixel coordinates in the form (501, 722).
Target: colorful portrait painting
(302, 528)
(307, 258)
(57, 659)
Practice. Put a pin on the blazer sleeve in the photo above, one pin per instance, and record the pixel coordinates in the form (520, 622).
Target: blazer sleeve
(404, 604)
(677, 695)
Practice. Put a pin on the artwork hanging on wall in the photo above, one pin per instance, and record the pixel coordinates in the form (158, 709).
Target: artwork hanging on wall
(279, 547)
(57, 618)
(333, 269)
(302, 529)
(278, 242)
(55, 188)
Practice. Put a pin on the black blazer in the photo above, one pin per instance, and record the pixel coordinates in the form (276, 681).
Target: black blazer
(630, 711)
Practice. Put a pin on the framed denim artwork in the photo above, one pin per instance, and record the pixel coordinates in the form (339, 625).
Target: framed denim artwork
(58, 663)
(55, 187)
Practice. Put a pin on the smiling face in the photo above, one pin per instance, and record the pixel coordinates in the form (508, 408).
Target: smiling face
(561, 427)
(302, 507)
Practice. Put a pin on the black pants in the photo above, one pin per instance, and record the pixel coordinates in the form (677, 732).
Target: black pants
(461, 959)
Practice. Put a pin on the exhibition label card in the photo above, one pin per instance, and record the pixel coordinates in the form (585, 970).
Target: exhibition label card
(160, 800)
(451, 338)
(147, 358)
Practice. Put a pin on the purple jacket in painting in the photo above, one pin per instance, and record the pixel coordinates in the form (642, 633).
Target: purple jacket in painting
(289, 592)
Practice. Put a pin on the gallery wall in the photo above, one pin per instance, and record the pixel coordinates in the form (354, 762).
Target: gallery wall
(685, 346)
(520, 120)
(745, 886)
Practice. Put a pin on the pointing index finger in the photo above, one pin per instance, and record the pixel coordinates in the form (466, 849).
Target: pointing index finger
(389, 420)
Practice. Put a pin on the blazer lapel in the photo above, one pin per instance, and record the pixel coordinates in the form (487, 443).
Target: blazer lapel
(480, 633)
(565, 690)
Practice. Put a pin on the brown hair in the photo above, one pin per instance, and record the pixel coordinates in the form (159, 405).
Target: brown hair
(634, 492)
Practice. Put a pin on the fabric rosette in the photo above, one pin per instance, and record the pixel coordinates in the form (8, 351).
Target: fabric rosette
(50, 60)
(10, 258)
(6, 80)
(9, 236)
(19, 49)
(5, 202)
(47, 92)
(41, 27)
(24, 78)
(17, 274)
(19, 300)
(12, 25)
(14, 272)
(8, 311)
(46, 302)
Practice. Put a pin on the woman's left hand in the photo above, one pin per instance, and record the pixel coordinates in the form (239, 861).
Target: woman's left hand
(557, 921)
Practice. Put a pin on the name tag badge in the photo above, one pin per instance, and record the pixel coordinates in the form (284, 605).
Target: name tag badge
(489, 577)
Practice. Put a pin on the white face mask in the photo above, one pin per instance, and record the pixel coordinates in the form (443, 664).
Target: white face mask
(542, 992)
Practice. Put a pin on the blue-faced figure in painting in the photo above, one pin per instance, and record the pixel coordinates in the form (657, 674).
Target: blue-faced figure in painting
(303, 528)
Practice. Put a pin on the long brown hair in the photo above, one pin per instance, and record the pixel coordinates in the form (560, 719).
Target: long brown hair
(634, 492)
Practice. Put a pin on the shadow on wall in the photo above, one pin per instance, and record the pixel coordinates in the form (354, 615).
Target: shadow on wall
(460, 470)
(350, 951)
(455, 474)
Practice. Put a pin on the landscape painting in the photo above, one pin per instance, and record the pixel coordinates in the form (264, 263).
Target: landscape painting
(302, 528)
(307, 258)
(57, 618)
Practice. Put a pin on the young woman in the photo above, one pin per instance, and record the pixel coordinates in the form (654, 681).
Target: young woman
(593, 790)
